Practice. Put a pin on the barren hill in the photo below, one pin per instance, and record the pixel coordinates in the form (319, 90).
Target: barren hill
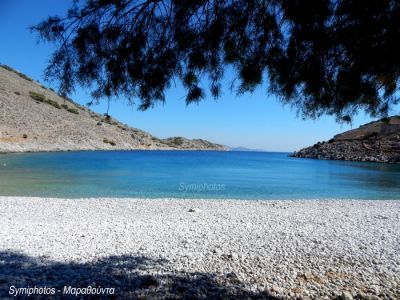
(377, 141)
(34, 118)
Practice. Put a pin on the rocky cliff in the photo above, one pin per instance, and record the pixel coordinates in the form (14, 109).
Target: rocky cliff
(34, 118)
(374, 142)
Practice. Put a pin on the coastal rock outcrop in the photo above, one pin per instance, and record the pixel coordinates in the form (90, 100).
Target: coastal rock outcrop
(377, 141)
(34, 118)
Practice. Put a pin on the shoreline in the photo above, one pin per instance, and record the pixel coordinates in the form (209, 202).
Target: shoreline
(294, 155)
(261, 249)
(289, 154)
(111, 150)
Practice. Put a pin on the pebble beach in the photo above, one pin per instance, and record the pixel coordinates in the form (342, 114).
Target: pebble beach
(201, 249)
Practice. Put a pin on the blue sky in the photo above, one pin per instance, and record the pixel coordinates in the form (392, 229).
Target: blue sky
(255, 120)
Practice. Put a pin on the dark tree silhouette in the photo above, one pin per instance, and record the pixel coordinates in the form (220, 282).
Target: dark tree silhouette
(323, 57)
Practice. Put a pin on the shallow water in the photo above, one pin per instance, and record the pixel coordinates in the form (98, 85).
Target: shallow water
(193, 174)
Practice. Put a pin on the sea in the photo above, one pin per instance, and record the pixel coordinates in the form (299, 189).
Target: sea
(192, 175)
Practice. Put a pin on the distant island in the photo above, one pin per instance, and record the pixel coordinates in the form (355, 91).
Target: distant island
(244, 149)
(34, 118)
(377, 141)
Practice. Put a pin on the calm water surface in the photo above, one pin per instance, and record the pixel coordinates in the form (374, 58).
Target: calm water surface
(193, 174)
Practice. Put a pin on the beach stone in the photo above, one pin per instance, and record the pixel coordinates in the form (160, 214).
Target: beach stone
(234, 256)
(276, 289)
(217, 251)
(148, 240)
(371, 297)
(308, 276)
(148, 282)
(346, 296)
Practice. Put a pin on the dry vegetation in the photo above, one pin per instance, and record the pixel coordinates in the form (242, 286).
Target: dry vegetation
(35, 118)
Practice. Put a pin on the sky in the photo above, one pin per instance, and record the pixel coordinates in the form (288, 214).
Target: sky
(257, 120)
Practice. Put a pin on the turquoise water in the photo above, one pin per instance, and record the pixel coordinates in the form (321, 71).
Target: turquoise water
(193, 174)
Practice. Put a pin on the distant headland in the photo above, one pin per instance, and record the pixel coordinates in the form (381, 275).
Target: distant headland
(34, 118)
(377, 141)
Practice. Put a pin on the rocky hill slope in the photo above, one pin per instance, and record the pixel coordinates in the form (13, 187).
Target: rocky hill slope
(377, 141)
(34, 118)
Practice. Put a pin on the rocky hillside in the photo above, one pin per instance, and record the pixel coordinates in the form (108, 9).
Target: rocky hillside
(34, 118)
(374, 142)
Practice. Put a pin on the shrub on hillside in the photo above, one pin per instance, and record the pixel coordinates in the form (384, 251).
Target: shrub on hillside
(70, 109)
(37, 96)
(107, 141)
(73, 111)
(7, 68)
(317, 145)
(42, 98)
(16, 72)
(177, 141)
(53, 103)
